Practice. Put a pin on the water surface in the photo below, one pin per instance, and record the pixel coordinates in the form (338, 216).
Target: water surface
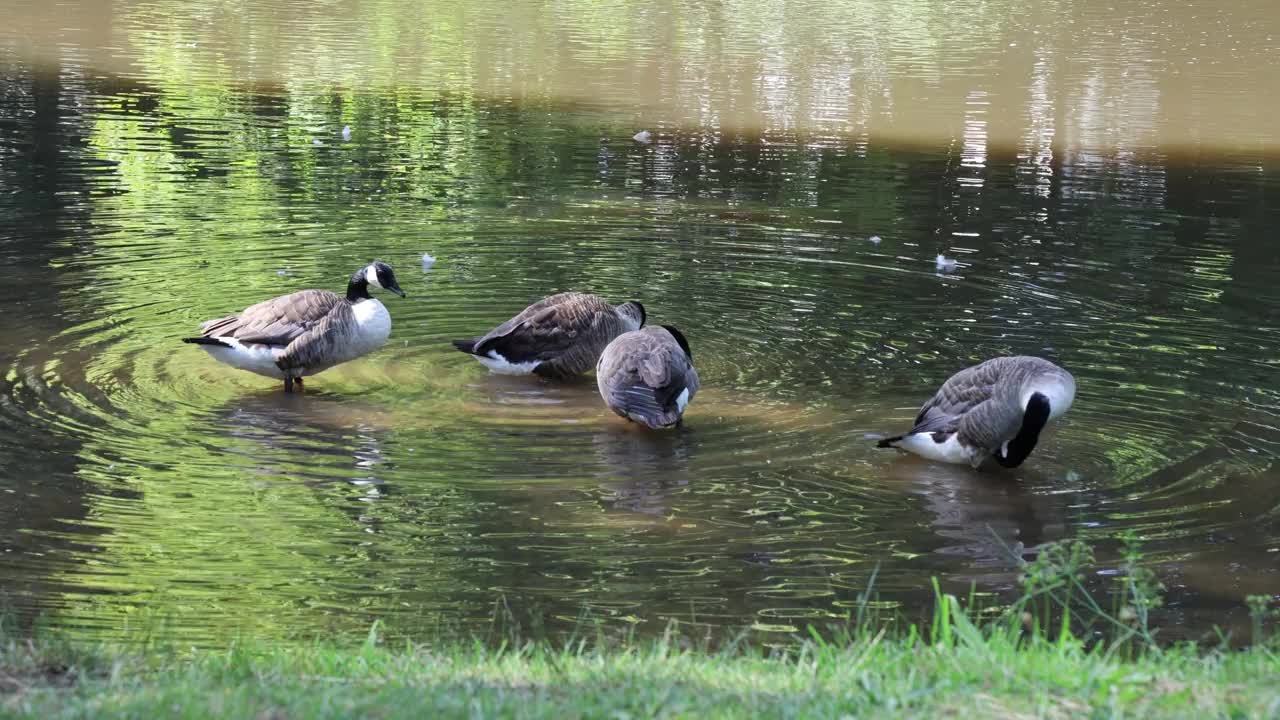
(1104, 175)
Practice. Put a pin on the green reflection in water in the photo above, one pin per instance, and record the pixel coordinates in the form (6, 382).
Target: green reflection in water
(178, 173)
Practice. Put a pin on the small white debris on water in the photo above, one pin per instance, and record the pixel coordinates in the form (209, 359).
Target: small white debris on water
(945, 263)
(346, 133)
(316, 142)
(644, 136)
(427, 261)
(287, 272)
(874, 239)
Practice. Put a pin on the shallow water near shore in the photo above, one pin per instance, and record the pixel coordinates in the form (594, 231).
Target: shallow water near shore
(1109, 200)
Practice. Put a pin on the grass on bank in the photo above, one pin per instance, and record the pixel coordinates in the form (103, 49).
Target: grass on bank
(1032, 662)
(876, 678)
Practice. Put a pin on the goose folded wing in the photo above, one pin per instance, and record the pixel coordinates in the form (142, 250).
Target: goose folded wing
(990, 423)
(319, 344)
(636, 400)
(278, 321)
(654, 406)
(543, 335)
(667, 370)
(629, 395)
(960, 394)
(933, 419)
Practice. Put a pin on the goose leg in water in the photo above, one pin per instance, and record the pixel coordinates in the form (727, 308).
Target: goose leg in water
(298, 381)
(288, 384)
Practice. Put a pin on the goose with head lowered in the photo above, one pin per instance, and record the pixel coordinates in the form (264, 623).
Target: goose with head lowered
(995, 409)
(557, 337)
(306, 332)
(647, 376)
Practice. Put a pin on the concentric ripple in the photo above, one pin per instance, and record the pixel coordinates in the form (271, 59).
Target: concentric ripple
(179, 177)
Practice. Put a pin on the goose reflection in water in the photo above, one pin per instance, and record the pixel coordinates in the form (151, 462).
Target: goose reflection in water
(993, 521)
(308, 437)
(643, 469)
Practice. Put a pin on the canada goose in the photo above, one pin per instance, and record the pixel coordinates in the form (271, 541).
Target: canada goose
(996, 408)
(305, 332)
(647, 376)
(557, 337)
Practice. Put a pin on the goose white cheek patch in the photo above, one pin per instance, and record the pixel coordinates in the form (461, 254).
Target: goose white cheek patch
(371, 277)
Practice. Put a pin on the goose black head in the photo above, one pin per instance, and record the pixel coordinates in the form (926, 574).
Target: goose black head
(633, 310)
(679, 336)
(376, 274)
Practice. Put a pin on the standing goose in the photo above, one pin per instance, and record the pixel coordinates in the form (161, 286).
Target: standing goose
(994, 409)
(557, 337)
(647, 376)
(305, 332)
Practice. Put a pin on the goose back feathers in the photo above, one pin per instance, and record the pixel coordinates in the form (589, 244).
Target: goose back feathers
(994, 409)
(304, 332)
(647, 376)
(558, 337)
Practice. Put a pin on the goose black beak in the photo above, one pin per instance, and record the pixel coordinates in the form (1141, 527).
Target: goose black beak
(397, 290)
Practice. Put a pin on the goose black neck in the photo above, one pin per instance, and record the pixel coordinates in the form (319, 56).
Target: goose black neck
(1033, 421)
(684, 344)
(358, 287)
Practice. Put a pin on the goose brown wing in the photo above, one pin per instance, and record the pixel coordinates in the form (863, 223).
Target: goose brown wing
(548, 329)
(958, 396)
(988, 424)
(278, 321)
(319, 345)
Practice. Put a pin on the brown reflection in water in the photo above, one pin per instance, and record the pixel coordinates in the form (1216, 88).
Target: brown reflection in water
(1039, 79)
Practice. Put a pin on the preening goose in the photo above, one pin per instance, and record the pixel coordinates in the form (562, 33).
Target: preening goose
(305, 332)
(647, 376)
(557, 337)
(994, 409)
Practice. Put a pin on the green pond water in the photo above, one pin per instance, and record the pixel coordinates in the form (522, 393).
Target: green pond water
(1106, 175)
